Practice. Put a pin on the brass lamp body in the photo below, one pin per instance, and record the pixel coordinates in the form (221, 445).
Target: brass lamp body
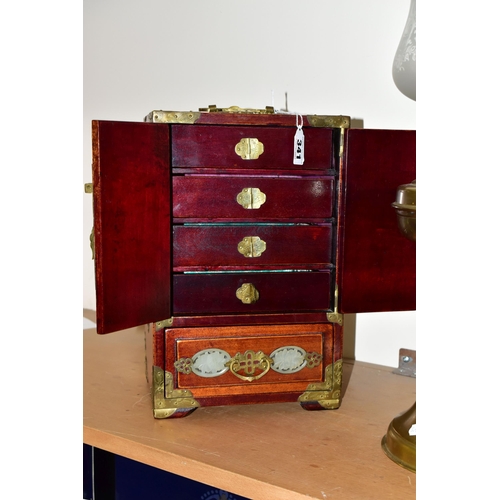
(400, 443)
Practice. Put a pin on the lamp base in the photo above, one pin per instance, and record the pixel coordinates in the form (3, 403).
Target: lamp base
(398, 444)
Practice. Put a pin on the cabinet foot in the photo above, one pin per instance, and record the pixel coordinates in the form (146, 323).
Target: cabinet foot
(167, 401)
(324, 395)
(316, 405)
(173, 412)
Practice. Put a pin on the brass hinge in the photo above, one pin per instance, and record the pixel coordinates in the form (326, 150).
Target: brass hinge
(165, 323)
(329, 121)
(158, 116)
(89, 188)
(335, 316)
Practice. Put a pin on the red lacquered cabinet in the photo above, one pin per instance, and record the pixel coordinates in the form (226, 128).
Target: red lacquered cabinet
(240, 261)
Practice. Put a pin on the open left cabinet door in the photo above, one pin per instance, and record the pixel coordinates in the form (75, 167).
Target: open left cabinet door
(376, 264)
(132, 223)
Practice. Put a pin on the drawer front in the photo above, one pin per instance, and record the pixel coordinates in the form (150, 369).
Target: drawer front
(212, 246)
(252, 292)
(252, 198)
(248, 359)
(246, 147)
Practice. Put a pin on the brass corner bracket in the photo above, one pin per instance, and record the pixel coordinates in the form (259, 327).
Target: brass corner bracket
(327, 393)
(166, 400)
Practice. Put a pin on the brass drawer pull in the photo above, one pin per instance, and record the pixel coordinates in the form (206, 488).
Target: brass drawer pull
(249, 148)
(248, 363)
(247, 293)
(251, 246)
(251, 198)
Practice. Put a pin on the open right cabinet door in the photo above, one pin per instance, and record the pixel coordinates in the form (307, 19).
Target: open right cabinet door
(376, 264)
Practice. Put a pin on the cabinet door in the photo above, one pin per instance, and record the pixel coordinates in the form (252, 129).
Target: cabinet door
(132, 223)
(375, 262)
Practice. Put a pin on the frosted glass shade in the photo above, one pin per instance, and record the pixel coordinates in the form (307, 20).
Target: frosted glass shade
(405, 60)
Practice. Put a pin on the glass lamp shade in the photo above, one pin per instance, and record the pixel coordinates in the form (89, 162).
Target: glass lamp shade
(405, 60)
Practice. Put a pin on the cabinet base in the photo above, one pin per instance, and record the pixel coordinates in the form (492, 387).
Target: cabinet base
(177, 403)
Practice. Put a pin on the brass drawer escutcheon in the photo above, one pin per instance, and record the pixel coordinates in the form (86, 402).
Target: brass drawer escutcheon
(248, 363)
(251, 246)
(251, 198)
(247, 293)
(249, 148)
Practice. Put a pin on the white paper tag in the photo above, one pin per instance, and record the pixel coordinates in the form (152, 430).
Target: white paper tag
(298, 144)
(412, 431)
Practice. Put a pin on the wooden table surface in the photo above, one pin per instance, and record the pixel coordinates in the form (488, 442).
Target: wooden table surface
(269, 451)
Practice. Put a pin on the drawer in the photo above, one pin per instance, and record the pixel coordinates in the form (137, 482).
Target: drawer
(252, 198)
(212, 246)
(248, 359)
(251, 292)
(232, 147)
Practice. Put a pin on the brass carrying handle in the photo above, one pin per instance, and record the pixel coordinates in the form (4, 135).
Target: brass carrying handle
(212, 108)
(249, 362)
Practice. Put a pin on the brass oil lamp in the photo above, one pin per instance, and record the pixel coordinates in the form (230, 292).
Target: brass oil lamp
(400, 442)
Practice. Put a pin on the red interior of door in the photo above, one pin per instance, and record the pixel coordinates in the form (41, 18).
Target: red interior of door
(132, 223)
(376, 263)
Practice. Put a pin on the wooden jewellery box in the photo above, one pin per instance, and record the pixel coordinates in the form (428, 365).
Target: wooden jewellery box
(240, 238)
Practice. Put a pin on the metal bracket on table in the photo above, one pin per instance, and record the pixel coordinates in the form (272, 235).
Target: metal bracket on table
(407, 363)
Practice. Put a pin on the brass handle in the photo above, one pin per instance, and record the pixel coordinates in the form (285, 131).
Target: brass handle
(251, 246)
(89, 189)
(247, 293)
(251, 198)
(249, 148)
(249, 362)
